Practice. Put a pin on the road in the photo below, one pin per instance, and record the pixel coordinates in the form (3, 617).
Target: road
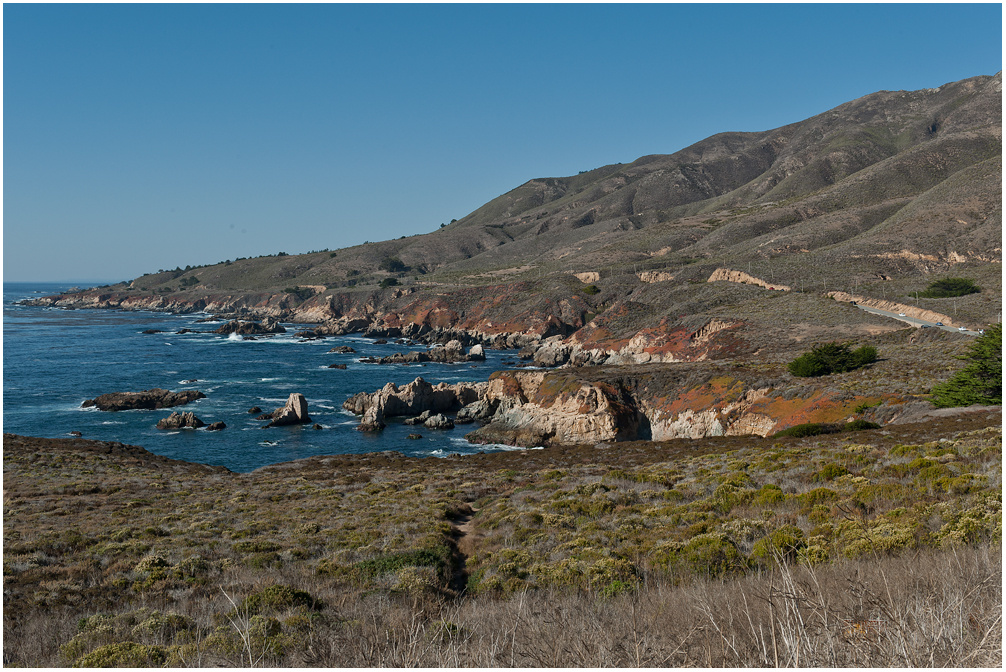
(914, 321)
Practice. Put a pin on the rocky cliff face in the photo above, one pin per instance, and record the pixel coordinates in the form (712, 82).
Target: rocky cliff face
(577, 406)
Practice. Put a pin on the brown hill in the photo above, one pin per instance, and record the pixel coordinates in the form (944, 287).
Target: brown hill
(869, 197)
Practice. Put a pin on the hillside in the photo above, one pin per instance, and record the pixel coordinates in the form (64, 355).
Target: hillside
(893, 185)
(737, 248)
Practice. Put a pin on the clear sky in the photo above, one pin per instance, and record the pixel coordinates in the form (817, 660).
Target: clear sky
(141, 137)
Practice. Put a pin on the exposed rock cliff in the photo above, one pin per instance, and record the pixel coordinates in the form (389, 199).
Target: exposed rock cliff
(589, 405)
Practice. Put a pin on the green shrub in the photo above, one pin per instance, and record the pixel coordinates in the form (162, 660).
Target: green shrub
(388, 282)
(591, 290)
(981, 381)
(259, 546)
(948, 287)
(124, 654)
(807, 429)
(859, 425)
(830, 472)
(831, 358)
(278, 598)
(782, 544)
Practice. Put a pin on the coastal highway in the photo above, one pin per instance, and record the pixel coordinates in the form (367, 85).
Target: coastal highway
(914, 321)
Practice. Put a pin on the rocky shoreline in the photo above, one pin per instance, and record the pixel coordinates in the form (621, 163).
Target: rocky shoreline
(603, 404)
(591, 384)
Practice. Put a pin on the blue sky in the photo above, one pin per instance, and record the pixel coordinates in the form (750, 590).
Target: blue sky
(140, 137)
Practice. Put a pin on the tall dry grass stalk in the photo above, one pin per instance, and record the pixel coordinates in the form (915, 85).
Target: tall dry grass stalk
(932, 609)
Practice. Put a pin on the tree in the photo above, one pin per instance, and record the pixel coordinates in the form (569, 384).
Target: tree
(981, 381)
(948, 287)
(831, 358)
(388, 282)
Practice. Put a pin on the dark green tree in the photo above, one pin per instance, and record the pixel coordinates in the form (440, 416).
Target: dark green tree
(831, 358)
(947, 287)
(981, 381)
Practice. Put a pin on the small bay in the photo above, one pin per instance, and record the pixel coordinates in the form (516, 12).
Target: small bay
(54, 359)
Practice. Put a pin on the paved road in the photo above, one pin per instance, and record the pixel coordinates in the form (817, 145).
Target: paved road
(914, 321)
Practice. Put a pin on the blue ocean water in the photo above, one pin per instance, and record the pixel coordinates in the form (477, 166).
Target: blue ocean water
(54, 359)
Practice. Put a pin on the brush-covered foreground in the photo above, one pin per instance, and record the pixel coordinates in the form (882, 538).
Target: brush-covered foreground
(874, 548)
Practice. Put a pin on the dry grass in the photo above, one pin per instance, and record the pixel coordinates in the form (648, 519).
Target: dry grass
(721, 552)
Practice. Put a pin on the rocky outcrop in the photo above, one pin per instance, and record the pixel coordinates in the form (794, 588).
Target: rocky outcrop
(293, 413)
(412, 399)
(151, 399)
(744, 278)
(438, 421)
(452, 353)
(652, 402)
(654, 276)
(246, 328)
(180, 421)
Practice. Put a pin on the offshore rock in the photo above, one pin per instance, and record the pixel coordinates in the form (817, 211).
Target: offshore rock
(412, 399)
(151, 399)
(293, 413)
(438, 421)
(251, 328)
(180, 421)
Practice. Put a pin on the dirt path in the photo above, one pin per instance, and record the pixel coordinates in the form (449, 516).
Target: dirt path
(462, 533)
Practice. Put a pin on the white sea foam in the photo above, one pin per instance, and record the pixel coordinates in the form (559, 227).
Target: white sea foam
(491, 446)
(235, 337)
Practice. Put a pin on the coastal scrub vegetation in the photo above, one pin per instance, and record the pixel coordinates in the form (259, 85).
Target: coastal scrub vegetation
(830, 358)
(878, 548)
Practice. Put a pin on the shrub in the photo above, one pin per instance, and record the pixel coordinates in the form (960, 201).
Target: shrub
(783, 544)
(807, 429)
(830, 472)
(388, 282)
(831, 358)
(591, 290)
(392, 265)
(859, 425)
(124, 654)
(948, 287)
(981, 381)
(277, 598)
(302, 293)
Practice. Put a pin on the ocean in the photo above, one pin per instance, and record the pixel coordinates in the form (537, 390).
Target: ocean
(54, 359)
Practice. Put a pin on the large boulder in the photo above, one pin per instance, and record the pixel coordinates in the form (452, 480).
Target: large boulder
(293, 413)
(477, 353)
(146, 400)
(438, 421)
(477, 411)
(180, 421)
